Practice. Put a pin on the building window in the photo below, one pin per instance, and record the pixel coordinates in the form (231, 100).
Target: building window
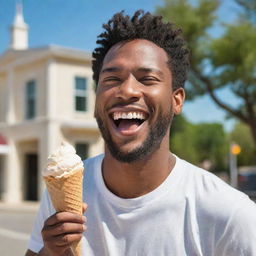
(30, 99)
(81, 94)
(82, 150)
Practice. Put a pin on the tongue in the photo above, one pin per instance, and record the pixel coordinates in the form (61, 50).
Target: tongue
(128, 125)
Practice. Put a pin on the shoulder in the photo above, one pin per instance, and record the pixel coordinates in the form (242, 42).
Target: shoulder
(229, 213)
(212, 195)
(206, 183)
(238, 234)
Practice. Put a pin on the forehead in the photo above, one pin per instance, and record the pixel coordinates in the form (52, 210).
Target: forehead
(136, 53)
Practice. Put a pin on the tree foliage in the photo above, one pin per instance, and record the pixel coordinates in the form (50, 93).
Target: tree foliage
(228, 61)
(200, 142)
(248, 8)
(182, 139)
(242, 136)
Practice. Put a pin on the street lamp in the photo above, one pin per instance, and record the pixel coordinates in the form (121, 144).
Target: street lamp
(235, 149)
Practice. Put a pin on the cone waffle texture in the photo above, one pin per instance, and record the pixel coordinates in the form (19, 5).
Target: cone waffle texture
(66, 194)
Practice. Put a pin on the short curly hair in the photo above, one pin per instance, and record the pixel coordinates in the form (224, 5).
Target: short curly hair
(144, 26)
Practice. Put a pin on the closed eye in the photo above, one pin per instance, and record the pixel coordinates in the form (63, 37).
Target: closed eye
(111, 80)
(149, 80)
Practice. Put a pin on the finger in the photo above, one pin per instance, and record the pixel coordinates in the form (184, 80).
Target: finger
(63, 228)
(55, 250)
(67, 239)
(85, 206)
(64, 217)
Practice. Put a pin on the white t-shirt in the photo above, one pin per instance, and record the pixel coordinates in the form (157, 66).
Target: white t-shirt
(191, 213)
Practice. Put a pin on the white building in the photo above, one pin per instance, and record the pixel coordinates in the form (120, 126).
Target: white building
(46, 96)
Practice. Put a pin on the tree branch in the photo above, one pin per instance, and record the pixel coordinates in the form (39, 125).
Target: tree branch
(210, 90)
(249, 105)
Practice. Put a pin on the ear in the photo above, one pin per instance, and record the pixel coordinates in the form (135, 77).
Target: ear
(178, 97)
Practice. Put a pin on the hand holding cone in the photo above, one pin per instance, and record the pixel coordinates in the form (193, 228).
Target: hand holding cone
(64, 180)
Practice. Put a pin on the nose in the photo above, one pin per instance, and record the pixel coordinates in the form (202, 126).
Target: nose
(129, 89)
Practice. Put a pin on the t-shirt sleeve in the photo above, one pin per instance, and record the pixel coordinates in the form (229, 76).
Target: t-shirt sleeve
(45, 210)
(239, 236)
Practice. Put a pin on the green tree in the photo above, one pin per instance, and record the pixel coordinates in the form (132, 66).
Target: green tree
(248, 9)
(199, 142)
(242, 136)
(182, 139)
(230, 59)
(211, 144)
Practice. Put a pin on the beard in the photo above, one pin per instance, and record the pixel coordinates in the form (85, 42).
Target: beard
(152, 142)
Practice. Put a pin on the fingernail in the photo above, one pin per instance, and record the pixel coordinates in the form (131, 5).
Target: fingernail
(84, 227)
(84, 219)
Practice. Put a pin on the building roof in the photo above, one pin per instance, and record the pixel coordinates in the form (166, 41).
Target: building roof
(17, 57)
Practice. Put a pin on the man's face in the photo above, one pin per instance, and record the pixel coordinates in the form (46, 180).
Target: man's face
(134, 101)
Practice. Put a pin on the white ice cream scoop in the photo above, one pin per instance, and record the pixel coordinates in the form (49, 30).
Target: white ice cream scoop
(62, 162)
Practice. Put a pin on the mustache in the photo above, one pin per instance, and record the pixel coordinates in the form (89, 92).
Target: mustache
(129, 104)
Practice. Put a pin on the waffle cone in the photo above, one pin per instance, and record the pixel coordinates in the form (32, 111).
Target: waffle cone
(66, 195)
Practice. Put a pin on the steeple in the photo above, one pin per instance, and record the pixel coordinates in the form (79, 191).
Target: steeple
(19, 30)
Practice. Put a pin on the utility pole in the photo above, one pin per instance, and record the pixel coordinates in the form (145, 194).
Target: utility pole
(235, 149)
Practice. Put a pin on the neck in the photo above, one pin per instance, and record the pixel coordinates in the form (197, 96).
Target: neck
(129, 180)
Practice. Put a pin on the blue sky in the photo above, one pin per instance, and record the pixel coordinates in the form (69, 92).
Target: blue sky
(76, 23)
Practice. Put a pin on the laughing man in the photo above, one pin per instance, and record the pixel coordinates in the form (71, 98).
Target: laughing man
(143, 200)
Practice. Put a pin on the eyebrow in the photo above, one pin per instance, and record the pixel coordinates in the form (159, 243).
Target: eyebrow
(142, 69)
(148, 70)
(111, 69)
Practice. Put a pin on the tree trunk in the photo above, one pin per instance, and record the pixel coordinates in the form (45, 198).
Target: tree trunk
(252, 126)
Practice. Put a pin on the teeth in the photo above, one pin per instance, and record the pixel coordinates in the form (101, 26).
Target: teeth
(129, 115)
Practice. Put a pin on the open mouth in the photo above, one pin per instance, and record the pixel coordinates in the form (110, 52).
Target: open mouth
(127, 122)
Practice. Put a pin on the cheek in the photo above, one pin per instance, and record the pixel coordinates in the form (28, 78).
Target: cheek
(98, 105)
(105, 93)
(159, 91)
(103, 99)
(159, 98)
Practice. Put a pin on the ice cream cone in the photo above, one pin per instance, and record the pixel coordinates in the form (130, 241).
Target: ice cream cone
(66, 195)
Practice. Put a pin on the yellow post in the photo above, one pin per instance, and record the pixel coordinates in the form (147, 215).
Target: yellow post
(235, 149)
